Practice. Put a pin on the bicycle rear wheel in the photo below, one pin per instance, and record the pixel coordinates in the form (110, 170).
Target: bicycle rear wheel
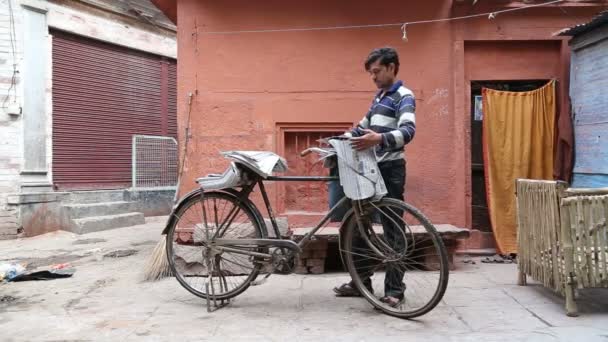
(393, 247)
(201, 270)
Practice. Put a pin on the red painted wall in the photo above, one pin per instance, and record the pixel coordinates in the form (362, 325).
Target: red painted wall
(246, 85)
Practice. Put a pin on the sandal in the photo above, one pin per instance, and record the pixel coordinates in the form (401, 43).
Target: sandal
(348, 290)
(499, 259)
(393, 301)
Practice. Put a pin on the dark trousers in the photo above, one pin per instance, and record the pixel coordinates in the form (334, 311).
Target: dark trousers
(393, 173)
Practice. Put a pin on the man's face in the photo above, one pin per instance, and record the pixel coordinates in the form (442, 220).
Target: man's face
(382, 75)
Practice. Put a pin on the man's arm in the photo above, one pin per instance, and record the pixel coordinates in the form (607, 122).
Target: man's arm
(363, 124)
(406, 125)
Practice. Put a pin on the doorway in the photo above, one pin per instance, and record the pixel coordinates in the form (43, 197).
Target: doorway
(479, 206)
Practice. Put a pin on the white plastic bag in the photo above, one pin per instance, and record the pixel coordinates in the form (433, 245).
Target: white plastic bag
(10, 271)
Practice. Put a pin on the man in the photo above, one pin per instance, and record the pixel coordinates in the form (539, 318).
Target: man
(388, 126)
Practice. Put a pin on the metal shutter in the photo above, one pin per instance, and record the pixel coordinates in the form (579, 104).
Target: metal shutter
(172, 105)
(102, 95)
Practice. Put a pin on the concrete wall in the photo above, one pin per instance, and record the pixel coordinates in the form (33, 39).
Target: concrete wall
(26, 139)
(151, 202)
(44, 212)
(10, 126)
(248, 84)
(39, 213)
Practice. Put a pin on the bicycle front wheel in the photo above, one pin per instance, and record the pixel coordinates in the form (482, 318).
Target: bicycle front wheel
(391, 249)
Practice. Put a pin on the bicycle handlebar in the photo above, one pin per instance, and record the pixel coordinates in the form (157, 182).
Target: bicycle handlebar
(318, 150)
(306, 152)
(322, 151)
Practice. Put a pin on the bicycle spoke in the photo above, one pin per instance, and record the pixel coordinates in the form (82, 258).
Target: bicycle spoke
(230, 219)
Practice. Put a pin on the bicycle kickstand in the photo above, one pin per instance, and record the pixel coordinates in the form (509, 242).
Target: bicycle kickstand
(212, 297)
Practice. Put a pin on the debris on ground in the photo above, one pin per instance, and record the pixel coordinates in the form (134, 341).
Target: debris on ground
(8, 271)
(60, 266)
(45, 275)
(88, 241)
(144, 243)
(7, 299)
(120, 253)
(466, 259)
(35, 263)
(15, 272)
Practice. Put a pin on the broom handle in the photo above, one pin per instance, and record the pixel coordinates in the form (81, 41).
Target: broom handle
(185, 149)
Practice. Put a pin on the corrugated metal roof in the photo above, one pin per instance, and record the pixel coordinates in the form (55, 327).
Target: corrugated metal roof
(597, 21)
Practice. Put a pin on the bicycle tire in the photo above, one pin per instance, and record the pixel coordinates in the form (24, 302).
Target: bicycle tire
(349, 231)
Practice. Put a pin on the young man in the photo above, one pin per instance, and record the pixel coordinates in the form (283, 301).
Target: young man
(388, 126)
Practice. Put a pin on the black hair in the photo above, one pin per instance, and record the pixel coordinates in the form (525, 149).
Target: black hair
(385, 55)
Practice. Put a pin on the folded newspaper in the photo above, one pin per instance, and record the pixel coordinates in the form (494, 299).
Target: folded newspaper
(359, 173)
(263, 163)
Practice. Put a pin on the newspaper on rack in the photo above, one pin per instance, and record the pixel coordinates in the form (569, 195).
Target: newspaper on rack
(230, 178)
(359, 173)
(263, 163)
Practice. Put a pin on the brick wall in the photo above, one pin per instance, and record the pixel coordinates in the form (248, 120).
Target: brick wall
(10, 126)
(312, 258)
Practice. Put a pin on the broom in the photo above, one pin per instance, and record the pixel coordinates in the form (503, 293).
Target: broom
(157, 266)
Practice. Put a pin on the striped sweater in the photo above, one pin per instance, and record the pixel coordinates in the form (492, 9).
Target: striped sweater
(391, 114)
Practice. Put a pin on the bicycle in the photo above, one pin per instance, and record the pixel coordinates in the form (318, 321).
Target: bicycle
(218, 241)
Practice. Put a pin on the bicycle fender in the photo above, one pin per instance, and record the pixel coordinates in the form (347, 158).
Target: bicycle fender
(197, 192)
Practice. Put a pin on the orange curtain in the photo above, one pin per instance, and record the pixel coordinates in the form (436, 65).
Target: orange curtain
(518, 136)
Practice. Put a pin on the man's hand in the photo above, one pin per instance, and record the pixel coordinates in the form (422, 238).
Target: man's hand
(369, 139)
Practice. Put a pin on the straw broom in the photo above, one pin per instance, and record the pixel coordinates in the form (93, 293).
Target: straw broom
(157, 266)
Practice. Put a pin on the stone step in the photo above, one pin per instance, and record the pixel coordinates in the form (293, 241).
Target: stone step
(96, 196)
(446, 231)
(82, 210)
(99, 223)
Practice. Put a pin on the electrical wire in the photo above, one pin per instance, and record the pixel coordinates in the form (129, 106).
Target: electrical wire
(490, 15)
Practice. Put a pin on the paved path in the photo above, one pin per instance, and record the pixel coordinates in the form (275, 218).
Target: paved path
(106, 301)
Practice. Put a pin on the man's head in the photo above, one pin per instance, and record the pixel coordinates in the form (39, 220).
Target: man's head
(383, 66)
